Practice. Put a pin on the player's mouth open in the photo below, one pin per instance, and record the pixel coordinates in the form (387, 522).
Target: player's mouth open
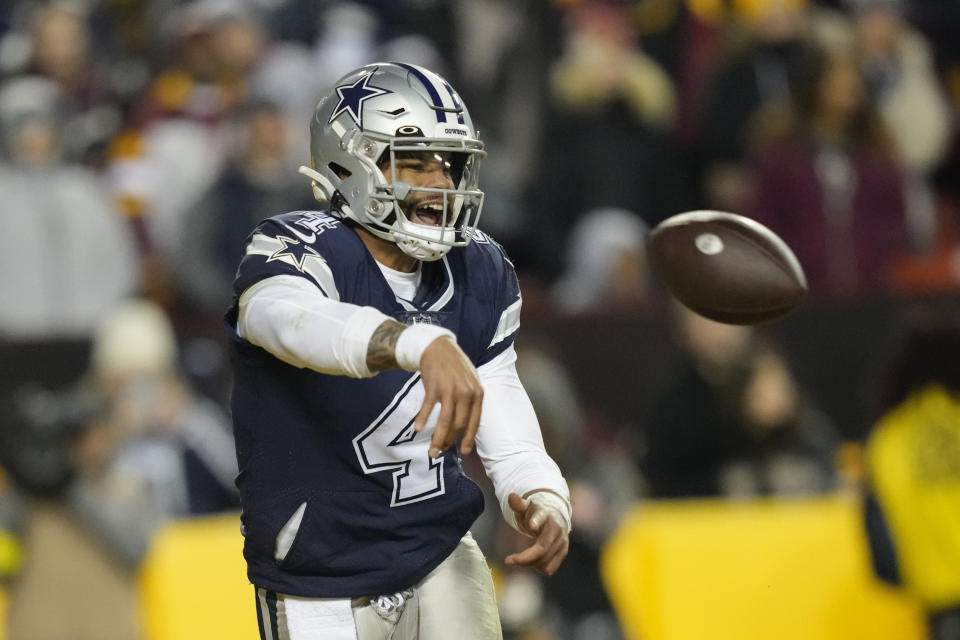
(429, 213)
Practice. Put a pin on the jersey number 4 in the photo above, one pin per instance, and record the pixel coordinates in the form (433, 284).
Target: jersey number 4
(391, 444)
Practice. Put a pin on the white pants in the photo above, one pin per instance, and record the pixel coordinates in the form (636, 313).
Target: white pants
(455, 600)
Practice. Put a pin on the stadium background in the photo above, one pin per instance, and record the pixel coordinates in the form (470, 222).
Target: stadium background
(721, 476)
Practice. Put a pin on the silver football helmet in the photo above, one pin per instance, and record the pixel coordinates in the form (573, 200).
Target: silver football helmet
(382, 112)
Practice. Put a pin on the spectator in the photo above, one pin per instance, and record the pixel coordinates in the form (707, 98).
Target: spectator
(902, 83)
(73, 253)
(156, 450)
(62, 51)
(901, 80)
(143, 448)
(763, 48)
(829, 183)
(347, 38)
(608, 141)
(731, 420)
(606, 267)
(259, 177)
(503, 56)
(177, 135)
(913, 459)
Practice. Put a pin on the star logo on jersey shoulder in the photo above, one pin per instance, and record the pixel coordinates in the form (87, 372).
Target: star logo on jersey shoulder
(293, 249)
(352, 97)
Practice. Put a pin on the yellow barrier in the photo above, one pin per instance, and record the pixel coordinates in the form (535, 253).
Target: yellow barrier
(193, 583)
(783, 570)
(11, 558)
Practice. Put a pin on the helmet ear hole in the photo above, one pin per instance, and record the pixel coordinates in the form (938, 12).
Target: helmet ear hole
(341, 172)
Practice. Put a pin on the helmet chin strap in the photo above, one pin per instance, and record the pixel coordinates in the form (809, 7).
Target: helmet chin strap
(423, 250)
(420, 248)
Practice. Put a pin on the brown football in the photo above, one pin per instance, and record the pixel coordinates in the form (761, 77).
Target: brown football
(726, 267)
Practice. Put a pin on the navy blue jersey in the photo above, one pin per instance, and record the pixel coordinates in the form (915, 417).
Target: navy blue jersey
(380, 514)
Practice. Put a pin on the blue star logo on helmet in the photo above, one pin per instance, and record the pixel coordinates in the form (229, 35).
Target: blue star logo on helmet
(352, 97)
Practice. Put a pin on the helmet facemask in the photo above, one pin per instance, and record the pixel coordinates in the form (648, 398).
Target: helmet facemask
(426, 221)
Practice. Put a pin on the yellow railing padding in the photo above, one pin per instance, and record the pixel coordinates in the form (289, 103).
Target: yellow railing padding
(193, 583)
(11, 554)
(3, 615)
(784, 570)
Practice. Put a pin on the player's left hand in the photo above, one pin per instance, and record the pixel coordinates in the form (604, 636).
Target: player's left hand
(550, 531)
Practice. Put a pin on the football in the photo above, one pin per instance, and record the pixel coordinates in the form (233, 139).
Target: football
(726, 267)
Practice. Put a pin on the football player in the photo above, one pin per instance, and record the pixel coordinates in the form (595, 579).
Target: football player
(372, 346)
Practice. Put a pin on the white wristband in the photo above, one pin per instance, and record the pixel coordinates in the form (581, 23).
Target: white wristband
(414, 341)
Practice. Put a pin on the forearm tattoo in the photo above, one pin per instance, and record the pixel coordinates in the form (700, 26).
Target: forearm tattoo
(381, 352)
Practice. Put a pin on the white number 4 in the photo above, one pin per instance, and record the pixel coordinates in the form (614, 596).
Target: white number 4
(391, 444)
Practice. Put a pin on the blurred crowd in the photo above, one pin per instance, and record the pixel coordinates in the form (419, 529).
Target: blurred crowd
(141, 140)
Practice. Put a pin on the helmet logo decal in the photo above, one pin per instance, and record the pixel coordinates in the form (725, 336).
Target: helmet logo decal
(352, 97)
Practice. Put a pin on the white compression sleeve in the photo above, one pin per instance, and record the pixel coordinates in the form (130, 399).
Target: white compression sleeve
(509, 441)
(292, 319)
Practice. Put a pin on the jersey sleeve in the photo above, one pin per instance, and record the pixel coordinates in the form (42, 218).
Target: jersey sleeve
(504, 304)
(285, 245)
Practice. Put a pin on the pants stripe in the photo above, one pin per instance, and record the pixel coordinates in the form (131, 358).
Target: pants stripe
(266, 615)
(256, 598)
(272, 615)
(272, 607)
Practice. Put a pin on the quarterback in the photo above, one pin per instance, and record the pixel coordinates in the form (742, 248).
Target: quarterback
(372, 346)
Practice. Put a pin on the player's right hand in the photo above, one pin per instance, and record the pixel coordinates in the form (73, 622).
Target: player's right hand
(549, 529)
(450, 379)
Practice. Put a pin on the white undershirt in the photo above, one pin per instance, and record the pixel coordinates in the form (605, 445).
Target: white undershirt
(292, 319)
(403, 284)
